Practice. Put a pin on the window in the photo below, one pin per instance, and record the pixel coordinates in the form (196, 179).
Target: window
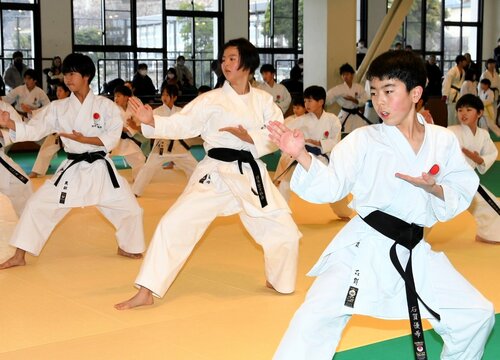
(276, 29)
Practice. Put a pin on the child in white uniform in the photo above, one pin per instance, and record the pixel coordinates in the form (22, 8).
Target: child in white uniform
(280, 93)
(480, 152)
(322, 132)
(231, 179)
(489, 115)
(165, 150)
(89, 127)
(404, 174)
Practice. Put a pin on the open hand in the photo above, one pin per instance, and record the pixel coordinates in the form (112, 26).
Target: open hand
(144, 113)
(75, 135)
(473, 155)
(289, 141)
(426, 182)
(240, 132)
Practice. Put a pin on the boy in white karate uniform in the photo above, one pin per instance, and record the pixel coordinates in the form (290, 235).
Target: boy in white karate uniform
(404, 174)
(165, 150)
(280, 93)
(322, 132)
(231, 179)
(487, 96)
(14, 183)
(480, 152)
(89, 127)
(451, 86)
(128, 147)
(351, 97)
(52, 143)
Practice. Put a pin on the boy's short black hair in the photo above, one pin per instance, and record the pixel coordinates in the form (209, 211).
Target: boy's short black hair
(315, 92)
(249, 55)
(30, 73)
(401, 65)
(122, 89)
(79, 63)
(490, 61)
(298, 100)
(459, 59)
(267, 68)
(486, 82)
(346, 68)
(203, 89)
(171, 89)
(17, 54)
(470, 100)
(142, 66)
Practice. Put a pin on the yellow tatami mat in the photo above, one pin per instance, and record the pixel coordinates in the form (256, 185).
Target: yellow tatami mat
(60, 306)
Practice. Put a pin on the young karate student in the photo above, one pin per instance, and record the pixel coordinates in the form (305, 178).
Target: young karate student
(321, 132)
(351, 97)
(52, 143)
(14, 183)
(89, 127)
(165, 150)
(298, 108)
(128, 147)
(231, 179)
(487, 96)
(452, 83)
(403, 174)
(280, 93)
(480, 152)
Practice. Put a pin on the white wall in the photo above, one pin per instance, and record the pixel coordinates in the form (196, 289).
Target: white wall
(56, 27)
(235, 19)
(491, 27)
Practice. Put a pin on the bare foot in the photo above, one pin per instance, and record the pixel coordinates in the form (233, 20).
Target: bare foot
(479, 238)
(16, 260)
(143, 297)
(270, 286)
(122, 252)
(33, 175)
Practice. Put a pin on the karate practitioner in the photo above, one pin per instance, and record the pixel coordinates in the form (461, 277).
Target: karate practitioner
(231, 179)
(351, 97)
(492, 75)
(321, 132)
(452, 84)
(52, 143)
(165, 150)
(14, 183)
(128, 147)
(480, 152)
(280, 93)
(403, 174)
(487, 96)
(89, 127)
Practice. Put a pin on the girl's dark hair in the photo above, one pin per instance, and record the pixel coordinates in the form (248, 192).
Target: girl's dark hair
(470, 100)
(63, 86)
(315, 92)
(470, 75)
(401, 65)
(79, 63)
(249, 56)
(171, 89)
(122, 89)
(298, 100)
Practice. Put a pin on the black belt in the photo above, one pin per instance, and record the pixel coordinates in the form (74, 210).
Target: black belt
(456, 94)
(182, 142)
(13, 171)
(488, 199)
(124, 135)
(407, 235)
(311, 149)
(90, 157)
(242, 156)
(353, 112)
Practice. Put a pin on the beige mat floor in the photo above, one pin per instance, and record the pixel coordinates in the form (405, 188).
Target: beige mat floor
(60, 306)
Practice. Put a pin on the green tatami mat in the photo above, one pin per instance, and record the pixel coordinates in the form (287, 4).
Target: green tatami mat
(401, 348)
(491, 180)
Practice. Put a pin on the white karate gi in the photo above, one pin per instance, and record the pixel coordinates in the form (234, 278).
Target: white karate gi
(84, 184)
(17, 191)
(280, 94)
(495, 82)
(337, 93)
(217, 188)
(364, 163)
(468, 87)
(451, 89)
(487, 121)
(159, 155)
(128, 148)
(36, 98)
(487, 220)
(326, 129)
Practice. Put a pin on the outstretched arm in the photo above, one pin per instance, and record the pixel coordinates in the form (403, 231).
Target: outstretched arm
(78, 136)
(144, 113)
(427, 182)
(291, 142)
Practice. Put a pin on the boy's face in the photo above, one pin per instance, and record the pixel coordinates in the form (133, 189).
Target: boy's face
(467, 115)
(121, 100)
(298, 110)
(313, 106)
(484, 87)
(267, 76)
(29, 82)
(75, 81)
(61, 93)
(392, 101)
(347, 77)
(167, 99)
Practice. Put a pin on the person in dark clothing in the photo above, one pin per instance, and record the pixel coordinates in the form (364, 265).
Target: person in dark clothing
(434, 75)
(143, 85)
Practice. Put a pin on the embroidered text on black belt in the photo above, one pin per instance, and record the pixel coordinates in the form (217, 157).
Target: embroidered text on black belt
(90, 157)
(242, 156)
(13, 171)
(353, 112)
(488, 199)
(407, 235)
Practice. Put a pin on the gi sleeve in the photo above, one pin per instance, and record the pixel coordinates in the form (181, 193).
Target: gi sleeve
(40, 125)
(489, 153)
(111, 135)
(333, 136)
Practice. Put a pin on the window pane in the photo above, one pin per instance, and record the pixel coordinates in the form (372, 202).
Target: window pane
(205, 49)
(97, 81)
(470, 10)
(300, 40)
(17, 34)
(283, 23)
(452, 10)
(414, 25)
(469, 41)
(433, 31)
(259, 23)
(87, 22)
(117, 22)
(149, 24)
(283, 64)
(18, 1)
(451, 46)
(198, 5)
(179, 37)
